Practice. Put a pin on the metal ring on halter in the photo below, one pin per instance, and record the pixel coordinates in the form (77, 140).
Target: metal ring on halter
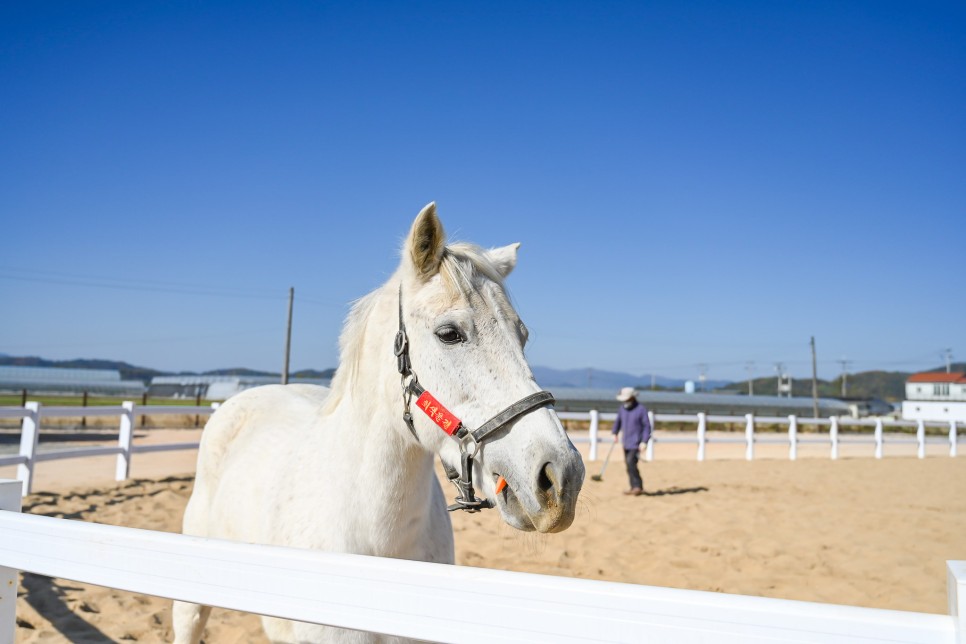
(469, 438)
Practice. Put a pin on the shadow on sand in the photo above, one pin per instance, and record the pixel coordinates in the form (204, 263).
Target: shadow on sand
(675, 490)
(48, 598)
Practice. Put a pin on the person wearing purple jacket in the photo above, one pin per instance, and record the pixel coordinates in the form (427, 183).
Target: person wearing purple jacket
(632, 418)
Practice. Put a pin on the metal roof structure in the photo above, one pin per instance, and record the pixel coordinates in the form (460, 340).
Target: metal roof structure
(939, 377)
(676, 402)
(219, 387)
(68, 381)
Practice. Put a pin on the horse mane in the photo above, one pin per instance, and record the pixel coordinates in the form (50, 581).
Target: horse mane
(461, 267)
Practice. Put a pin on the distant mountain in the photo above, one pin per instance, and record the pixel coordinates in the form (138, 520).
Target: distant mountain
(144, 374)
(128, 371)
(886, 385)
(597, 378)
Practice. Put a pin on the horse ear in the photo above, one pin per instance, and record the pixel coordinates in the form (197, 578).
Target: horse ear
(504, 258)
(426, 243)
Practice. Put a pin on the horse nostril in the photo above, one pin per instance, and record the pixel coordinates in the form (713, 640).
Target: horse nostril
(545, 478)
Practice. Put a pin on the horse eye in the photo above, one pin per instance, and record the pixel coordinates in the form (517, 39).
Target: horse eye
(449, 335)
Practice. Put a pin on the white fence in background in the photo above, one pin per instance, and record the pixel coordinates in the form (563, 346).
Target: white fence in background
(426, 601)
(700, 438)
(33, 412)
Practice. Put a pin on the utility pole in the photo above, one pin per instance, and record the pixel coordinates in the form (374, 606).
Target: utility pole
(949, 360)
(750, 368)
(845, 376)
(288, 335)
(814, 381)
(780, 369)
(703, 375)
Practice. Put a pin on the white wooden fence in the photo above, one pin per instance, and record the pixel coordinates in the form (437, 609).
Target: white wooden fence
(32, 413)
(793, 439)
(421, 600)
(427, 601)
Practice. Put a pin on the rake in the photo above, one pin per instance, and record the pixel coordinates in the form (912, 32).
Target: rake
(600, 477)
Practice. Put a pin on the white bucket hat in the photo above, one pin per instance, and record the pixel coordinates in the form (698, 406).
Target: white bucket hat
(626, 394)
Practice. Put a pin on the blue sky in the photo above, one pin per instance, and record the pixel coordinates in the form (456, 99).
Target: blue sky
(693, 183)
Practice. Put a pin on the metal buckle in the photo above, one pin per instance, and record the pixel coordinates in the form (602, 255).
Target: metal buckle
(400, 348)
(399, 345)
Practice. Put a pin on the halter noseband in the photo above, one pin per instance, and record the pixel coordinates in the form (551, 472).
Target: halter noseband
(469, 440)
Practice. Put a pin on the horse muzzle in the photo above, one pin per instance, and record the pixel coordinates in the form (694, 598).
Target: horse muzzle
(547, 501)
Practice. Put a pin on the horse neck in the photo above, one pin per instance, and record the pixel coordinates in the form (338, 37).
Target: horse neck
(369, 409)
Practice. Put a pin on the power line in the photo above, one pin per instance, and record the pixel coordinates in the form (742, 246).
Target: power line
(150, 340)
(146, 286)
(142, 288)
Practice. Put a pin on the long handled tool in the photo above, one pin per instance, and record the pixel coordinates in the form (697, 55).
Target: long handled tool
(600, 477)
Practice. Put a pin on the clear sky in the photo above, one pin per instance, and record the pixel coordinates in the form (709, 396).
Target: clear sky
(693, 182)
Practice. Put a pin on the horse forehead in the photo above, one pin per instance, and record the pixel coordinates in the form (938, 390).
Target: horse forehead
(491, 297)
(485, 297)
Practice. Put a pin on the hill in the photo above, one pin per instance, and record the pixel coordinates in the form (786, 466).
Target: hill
(144, 374)
(128, 371)
(887, 385)
(598, 378)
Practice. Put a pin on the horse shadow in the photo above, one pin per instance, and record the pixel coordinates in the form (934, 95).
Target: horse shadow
(676, 490)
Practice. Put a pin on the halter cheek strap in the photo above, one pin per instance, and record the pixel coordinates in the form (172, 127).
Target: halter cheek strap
(469, 440)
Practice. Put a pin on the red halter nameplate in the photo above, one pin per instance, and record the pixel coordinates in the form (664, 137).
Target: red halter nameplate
(437, 413)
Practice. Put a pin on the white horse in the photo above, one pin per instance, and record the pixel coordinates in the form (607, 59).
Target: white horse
(343, 471)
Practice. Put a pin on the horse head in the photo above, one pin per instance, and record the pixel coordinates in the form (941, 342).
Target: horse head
(465, 344)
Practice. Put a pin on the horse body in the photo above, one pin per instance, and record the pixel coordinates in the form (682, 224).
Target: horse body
(339, 471)
(272, 470)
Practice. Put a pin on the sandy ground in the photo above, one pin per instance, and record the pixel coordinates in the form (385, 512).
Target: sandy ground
(855, 531)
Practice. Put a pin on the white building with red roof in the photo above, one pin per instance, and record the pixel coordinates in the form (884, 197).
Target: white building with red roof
(935, 396)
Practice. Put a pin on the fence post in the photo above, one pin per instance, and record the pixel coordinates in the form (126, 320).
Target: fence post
(594, 430)
(878, 438)
(749, 437)
(29, 436)
(956, 591)
(10, 492)
(833, 435)
(702, 434)
(952, 438)
(921, 439)
(124, 439)
(649, 452)
(792, 437)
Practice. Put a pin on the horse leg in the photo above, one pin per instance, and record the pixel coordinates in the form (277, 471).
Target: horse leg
(189, 622)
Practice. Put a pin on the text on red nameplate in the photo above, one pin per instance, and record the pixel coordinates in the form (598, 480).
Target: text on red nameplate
(439, 414)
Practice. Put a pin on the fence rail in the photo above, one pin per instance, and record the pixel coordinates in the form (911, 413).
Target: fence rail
(33, 412)
(426, 601)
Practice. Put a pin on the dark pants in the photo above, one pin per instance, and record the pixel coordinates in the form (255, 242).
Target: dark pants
(630, 459)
